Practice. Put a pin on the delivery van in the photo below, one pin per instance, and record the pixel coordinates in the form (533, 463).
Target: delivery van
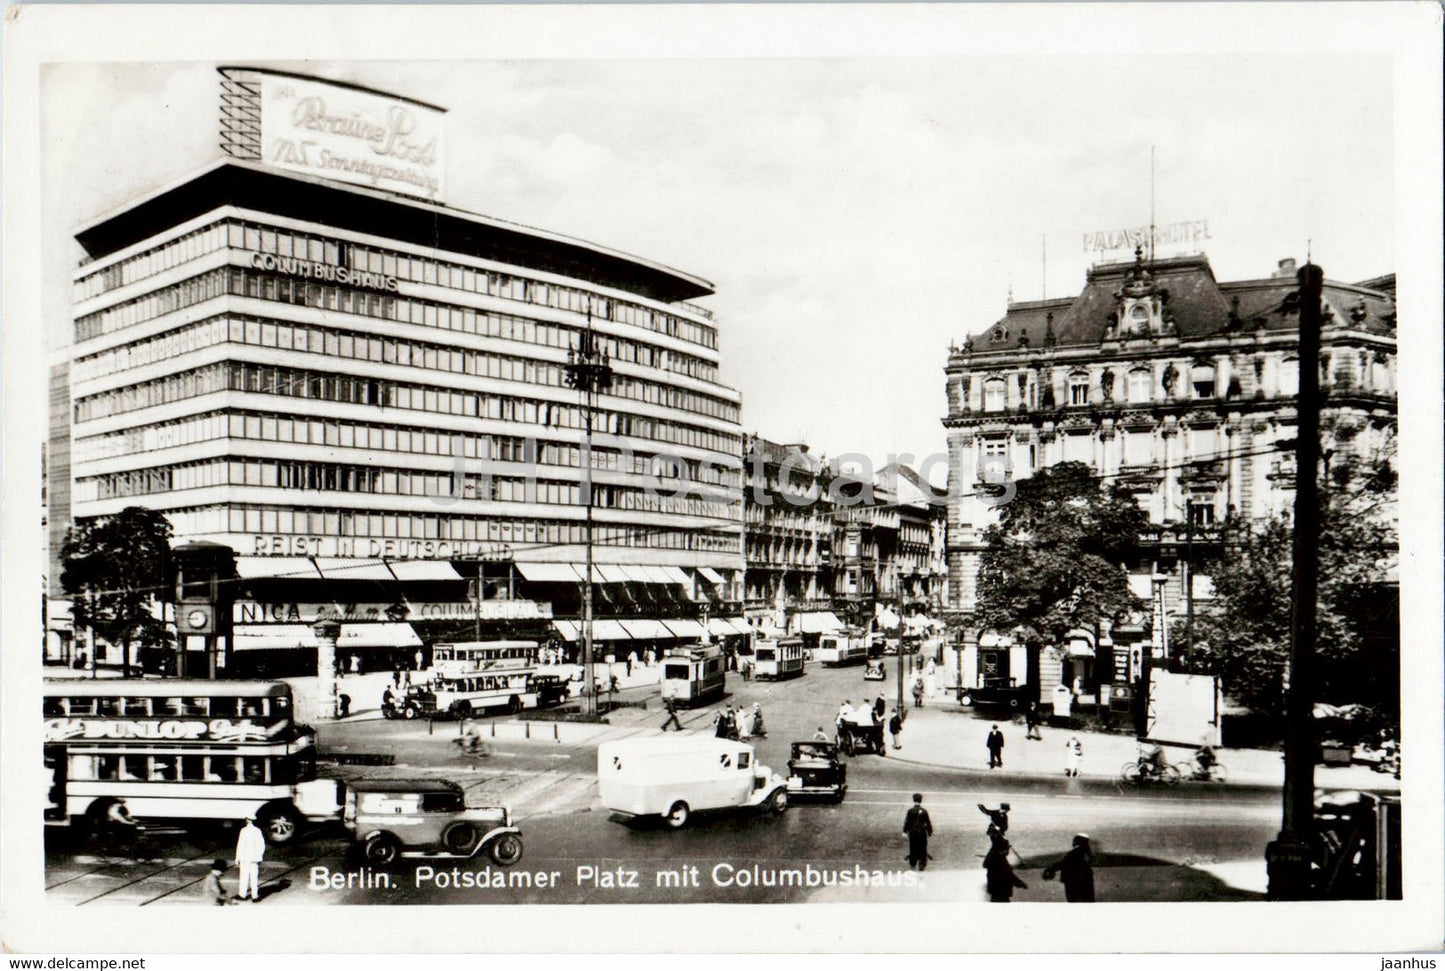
(673, 776)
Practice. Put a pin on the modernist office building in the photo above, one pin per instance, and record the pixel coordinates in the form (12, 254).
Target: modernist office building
(1180, 387)
(351, 381)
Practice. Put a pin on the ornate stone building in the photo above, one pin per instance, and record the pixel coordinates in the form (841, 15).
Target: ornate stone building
(1178, 386)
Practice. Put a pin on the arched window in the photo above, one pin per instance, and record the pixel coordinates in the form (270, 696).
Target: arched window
(1079, 388)
(1141, 385)
(995, 394)
(1201, 377)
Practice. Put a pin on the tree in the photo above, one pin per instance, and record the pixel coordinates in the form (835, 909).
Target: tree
(1247, 628)
(115, 569)
(1056, 558)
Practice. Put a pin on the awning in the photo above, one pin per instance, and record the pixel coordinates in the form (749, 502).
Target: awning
(1078, 649)
(567, 629)
(549, 572)
(259, 637)
(709, 574)
(719, 627)
(676, 575)
(609, 630)
(278, 567)
(685, 628)
(378, 635)
(819, 623)
(610, 574)
(740, 626)
(423, 570)
(648, 630)
(334, 568)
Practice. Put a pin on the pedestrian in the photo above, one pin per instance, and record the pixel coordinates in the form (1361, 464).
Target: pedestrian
(720, 723)
(214, 888)
(417, 657)
(994, 742)
(744, 724)
(821, 736)
(895, 728)
(997, 818)
(1031, 721)
(760, 730)
(672, 719)
(1000, 877)
(845, 714)
(746, 668)
(1073, 755)
(250, 850)
(631, 660)
(121, 828)
(917, 827)
(1076, 871)
(918, 691)
(343, 705)
(879, 707)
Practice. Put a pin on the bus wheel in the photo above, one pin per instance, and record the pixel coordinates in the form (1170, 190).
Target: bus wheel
(279, 825)
(677, 816)
(514, 705)
(779, 802)
(460, 837)
(381, 849)
(506, 849)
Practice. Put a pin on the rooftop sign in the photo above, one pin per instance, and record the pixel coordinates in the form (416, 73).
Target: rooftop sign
(336, 131)
(1189, 234)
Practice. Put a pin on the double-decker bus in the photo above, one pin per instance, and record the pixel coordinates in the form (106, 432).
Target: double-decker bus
(500, 684)
(842, 647)
(774, 660)
(474, 655)
(691, 675)
(182, 750)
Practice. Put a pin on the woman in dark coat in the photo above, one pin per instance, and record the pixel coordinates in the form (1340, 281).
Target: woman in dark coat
(1076, 870)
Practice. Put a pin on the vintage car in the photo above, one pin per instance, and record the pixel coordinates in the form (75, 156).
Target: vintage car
(552, 689)
(855, 737)
(815, 770)
(874, 670)
(392, 819)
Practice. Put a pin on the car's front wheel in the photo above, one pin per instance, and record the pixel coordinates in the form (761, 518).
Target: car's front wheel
(778, 803)
(676, 816)
(381, 849)
(506, 849)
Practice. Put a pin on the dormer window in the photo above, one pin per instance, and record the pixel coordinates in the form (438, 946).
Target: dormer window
(1138, 319)
(999, 335)
(1078, 388)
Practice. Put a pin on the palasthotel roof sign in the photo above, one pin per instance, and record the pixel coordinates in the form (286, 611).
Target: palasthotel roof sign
(336, 131)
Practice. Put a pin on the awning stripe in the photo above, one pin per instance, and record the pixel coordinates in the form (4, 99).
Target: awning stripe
(279, 567)
(709, 574)
(423, 570)
(685, 628)
(548, 572)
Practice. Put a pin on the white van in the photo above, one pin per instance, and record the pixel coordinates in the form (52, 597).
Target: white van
(673, 776)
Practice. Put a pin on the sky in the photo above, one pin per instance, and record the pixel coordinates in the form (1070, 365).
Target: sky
(855, 214)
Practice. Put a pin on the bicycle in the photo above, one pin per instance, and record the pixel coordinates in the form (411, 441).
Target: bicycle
(1141, 772)
(1193, 771)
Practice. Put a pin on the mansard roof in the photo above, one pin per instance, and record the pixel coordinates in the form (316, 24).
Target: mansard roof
(1197, 304)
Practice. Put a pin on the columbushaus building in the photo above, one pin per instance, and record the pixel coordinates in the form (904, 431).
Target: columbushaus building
(301, 353)
(1175, 385)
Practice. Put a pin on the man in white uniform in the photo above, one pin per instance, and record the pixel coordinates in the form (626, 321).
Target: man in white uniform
(250, 850)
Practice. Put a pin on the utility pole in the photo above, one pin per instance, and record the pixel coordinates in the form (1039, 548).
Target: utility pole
(1288, 857)
(589, 370)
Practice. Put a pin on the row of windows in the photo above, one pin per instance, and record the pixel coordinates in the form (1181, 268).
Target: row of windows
(158, 259)
(1140, 387)
(344, 344)
(1199, 444)
(243, 769)
(390, 438)
(335, 477)
(324, 386)
(57, 706)
(440, 529)
(264, 239)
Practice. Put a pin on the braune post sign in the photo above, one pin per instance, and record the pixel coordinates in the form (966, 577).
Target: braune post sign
(347, 133)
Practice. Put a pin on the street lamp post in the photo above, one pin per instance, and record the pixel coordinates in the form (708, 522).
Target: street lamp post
(590, 371)
(1287, 858)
